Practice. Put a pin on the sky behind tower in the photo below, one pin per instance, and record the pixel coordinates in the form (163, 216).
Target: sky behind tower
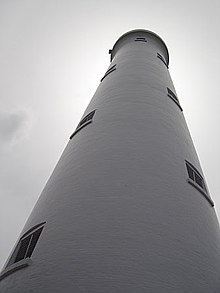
(53, 54)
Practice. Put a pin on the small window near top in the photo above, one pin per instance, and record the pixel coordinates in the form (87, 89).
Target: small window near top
(173, 97)
(26, 244)
(85, 121)
(110, 70)
(196, 180)
(140, 39)
(162, 59)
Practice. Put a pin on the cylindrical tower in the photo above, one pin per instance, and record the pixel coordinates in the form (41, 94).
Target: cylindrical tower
(127, 208)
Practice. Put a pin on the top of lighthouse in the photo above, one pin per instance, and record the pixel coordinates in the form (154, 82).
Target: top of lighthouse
(139, 35)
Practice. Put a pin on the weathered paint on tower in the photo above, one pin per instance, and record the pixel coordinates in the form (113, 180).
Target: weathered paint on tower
(126, 208)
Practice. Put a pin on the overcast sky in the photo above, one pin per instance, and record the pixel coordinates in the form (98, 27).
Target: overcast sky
(52, 56)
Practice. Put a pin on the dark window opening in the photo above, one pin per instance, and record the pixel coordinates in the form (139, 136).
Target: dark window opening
(86, 118)
(34, 238)
(195, 175)
(23, 246)
(190, 172)
(199, 181)
(26, 245)
(172, 94)
(140, 39)
(173, 97)
(162, 59)
(85, 121)
(196, 179)
(110, 70)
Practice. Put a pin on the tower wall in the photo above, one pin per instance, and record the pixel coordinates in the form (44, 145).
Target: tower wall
(119, 212)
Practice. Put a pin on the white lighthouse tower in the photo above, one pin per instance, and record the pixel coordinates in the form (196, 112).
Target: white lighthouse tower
(127, 209)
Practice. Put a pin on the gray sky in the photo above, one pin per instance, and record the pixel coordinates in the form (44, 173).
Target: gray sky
(52, 56)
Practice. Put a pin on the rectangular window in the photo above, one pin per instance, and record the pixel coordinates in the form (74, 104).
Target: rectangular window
(162, 59)
(33, 241)
(190, 171)
(173, 97)
(195, 175)
(110, 70)
(86, 118)
(23, 247)
(26, 244)
(196, 179)
(85, 121)
(140, 40)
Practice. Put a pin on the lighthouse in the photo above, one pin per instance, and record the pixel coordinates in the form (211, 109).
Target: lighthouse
(127, 208)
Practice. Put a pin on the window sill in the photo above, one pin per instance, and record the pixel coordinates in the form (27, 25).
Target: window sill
(14, 267)
(190, 181)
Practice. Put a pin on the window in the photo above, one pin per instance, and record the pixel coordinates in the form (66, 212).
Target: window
(26, 244)
(85, 121)
(195, 175)
(140, 40)
(196, 180)
(162, 59)
(20, 257)
(173, 97)
(110, 70)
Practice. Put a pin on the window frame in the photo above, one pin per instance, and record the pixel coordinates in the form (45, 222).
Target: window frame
(192, 173)
(159, 56)
(110, 70)
(12, 264)
(83, 122)
(173, 97)
(141, 39)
